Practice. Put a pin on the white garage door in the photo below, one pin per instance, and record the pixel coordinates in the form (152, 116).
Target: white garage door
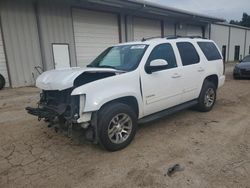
(193, 30)
(3, 67)
(94, 32)
(145, 28)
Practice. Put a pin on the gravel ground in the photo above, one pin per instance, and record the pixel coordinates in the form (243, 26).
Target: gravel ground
(214, 148)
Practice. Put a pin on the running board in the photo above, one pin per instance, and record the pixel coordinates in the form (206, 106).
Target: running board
(167, 112)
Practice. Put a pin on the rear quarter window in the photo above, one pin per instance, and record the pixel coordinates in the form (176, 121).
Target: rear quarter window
(210, 51)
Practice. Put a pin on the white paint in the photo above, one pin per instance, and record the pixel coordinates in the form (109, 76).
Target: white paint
(237, 38)
(61, 55)
(63, 78)
(160, 90)
(94, 32)
(220, 35)
(3, 66)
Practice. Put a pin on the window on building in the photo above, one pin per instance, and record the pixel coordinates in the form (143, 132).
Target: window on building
(236, 53)
(188, 53)
(224, 52)
(166, 52)
(210, 51)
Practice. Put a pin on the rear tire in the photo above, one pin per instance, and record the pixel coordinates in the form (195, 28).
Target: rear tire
(117, 124)
(2, 82)
(207, 97)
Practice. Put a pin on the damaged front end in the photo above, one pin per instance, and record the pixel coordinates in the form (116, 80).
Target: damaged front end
(61, 111)
(56, 104)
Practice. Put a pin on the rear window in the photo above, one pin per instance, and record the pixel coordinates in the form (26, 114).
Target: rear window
(210, 51)
(188, 53)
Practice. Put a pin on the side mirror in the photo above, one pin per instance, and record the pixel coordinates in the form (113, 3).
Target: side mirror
(156, 65)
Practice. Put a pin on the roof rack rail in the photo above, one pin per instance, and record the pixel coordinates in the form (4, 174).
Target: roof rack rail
(150, 38)
(178, 36)
(172, 37)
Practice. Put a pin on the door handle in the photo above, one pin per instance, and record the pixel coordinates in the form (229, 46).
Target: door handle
(201, 69)
(176, 75)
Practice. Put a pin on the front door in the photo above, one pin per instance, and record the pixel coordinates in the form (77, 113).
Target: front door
(161, 89)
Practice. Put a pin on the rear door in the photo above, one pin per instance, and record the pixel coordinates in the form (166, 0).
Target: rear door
(192, 70)
(161, 89)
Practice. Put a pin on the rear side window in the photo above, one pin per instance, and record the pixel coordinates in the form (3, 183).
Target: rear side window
(188, 53)
(210, 51)
(166, 52)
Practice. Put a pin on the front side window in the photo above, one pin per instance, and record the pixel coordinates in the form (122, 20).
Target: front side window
(210, 51)
(125, 58)
(166, 52)
(188, 53)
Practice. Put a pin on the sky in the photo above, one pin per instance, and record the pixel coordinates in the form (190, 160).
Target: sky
(227, 9)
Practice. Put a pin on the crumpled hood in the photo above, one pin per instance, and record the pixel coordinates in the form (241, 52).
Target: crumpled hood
(64, 78)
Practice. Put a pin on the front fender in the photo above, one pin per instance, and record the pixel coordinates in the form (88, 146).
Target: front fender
(108, 89)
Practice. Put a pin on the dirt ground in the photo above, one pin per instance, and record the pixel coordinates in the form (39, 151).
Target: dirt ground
(214, 148)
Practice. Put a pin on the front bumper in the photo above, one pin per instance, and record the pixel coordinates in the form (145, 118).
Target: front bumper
(241, 73)
(41, 113)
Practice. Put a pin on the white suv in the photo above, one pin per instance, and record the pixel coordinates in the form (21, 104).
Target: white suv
(131, 83)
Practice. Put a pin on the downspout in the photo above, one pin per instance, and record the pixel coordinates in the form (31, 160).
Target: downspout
(229, 41)
(245, 45)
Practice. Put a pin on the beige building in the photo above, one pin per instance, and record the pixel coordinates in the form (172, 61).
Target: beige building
(39, 35)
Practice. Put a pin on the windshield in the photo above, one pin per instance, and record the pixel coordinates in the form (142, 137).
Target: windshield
(125, 58)
(246, 59)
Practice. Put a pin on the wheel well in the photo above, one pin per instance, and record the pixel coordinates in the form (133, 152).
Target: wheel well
(214, 79)
(130, 101)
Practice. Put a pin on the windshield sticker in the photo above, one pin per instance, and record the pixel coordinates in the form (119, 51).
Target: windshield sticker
(137, 47)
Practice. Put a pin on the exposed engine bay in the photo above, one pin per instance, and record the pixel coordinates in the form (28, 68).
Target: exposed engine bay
(59, 107)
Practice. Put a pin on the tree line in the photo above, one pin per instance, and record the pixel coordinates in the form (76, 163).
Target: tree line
(245, 21)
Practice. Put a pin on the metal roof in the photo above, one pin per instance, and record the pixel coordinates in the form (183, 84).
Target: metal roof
(232, 25)
(142, 6)
(168, 9)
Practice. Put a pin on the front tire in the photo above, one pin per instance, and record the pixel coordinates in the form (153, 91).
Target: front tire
(207, 97)
(117, 124)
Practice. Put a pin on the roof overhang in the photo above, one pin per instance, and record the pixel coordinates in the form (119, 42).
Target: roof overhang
(142, 6)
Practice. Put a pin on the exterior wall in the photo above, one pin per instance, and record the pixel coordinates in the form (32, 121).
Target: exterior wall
(181, 29)
(194, 30)
(169, 28)
(55, 26)
(94, 32)
(3, 66)
(144, 28)
(247, 50)
(21, 39)
(237, 37)
(129, 28)
(220, 34)
(30, 27)
(207, 31)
